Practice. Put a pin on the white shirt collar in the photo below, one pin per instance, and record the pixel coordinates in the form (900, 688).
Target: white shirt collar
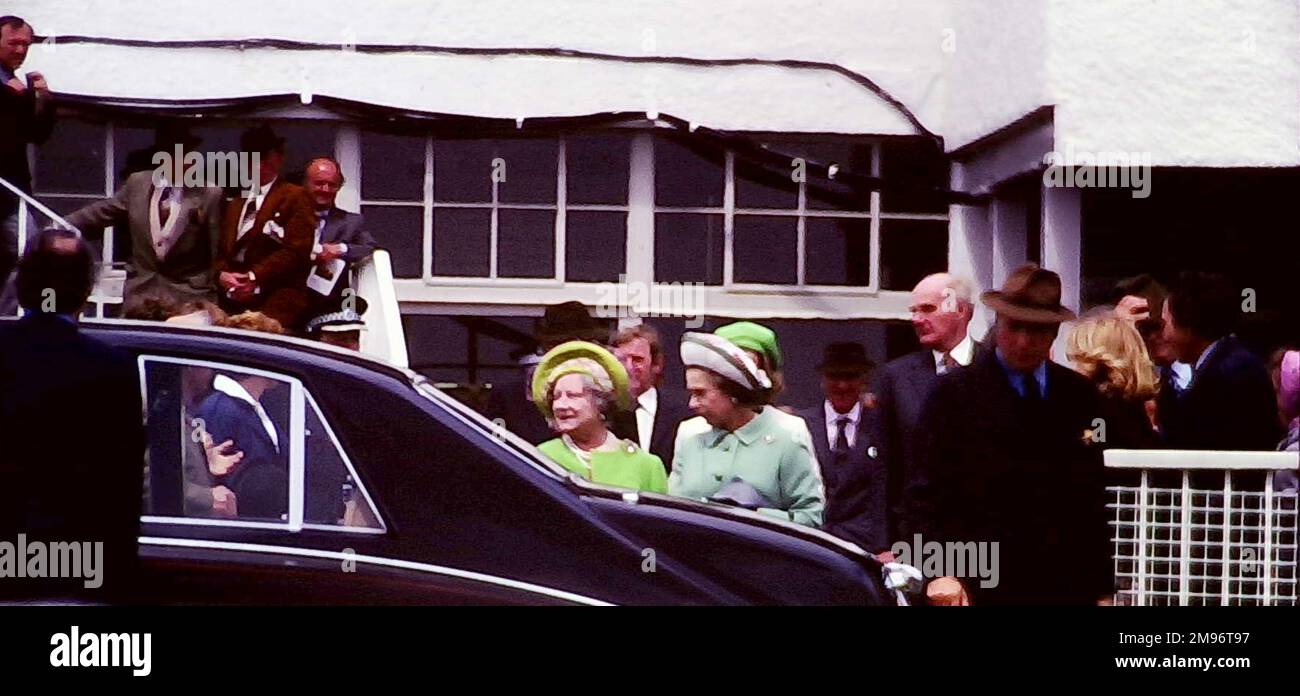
(962, 353)
(853, 415)
(263, 190)
(235, 390)
(649, 400)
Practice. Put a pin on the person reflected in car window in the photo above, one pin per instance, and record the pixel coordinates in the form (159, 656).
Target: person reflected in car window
(577, 386)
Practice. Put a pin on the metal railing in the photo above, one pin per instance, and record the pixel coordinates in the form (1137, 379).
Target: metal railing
(1202, 527)
(112, 276)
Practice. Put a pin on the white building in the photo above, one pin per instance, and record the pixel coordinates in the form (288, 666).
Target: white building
(658, 141)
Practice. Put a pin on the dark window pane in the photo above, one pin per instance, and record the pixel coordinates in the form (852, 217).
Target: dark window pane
(131, 151)
(843, 193)
(838, 195)
(307, 140)
(597, 169)
(401, 232)
(462, 242)
(912, 170)
(764, 249)
(837, 252)
(530, 170)
(911, 250)
(526, 244)
(688, 248)
(392, 167)
(765, 187)
(595, 246)
(462, 171)
(72, 160)
(686, 177)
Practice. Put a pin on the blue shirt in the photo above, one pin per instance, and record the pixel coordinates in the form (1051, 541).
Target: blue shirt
(1017, 378)
(6, 74)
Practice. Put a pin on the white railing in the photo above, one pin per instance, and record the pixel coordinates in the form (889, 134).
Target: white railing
(108, 288)
(1202, 527)
(384, 336)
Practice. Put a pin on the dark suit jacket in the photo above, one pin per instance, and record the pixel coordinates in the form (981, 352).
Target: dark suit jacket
(855, 483)
(72, 459)
(185, 273)
(342, 227)
(260, 481)
(19, 125)
(1230, 404)
(279, 264)
(902, 387)
(671, 412)
(996, 469)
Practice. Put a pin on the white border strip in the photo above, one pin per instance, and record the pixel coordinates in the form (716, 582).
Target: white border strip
(375, 560)
(1201, 459)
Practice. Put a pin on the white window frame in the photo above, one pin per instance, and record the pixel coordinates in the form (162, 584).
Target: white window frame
(299, 398)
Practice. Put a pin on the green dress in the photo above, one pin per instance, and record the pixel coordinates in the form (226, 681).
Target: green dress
(766, 453)
(627, 466)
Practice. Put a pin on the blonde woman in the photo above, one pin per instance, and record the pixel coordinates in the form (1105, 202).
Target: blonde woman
(1110, 352)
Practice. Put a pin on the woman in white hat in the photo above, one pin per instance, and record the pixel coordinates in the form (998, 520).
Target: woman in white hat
(746, 457)
(576, 386)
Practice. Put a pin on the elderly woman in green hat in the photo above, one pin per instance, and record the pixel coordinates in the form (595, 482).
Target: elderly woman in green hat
(576, 386)
(746, 455)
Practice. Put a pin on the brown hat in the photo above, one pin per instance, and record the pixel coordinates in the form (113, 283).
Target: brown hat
(1031, 294)
(569, 321)
(848, 357)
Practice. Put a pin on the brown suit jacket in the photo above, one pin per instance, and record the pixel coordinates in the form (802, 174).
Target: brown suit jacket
(278, 263)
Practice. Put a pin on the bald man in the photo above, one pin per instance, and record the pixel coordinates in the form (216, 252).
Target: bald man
(339, 234)
(942, 307)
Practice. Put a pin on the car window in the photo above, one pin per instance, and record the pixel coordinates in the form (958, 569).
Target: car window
(232, 445)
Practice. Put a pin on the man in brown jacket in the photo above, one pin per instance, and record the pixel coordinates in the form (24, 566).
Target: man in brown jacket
(266, 240)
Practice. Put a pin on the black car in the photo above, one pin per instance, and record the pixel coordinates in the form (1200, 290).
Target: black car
(396, 493)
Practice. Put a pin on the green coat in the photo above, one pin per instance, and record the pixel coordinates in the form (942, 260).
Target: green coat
(765, 453)
(627, 467)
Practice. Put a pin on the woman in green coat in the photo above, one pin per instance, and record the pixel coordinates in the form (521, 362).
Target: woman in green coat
(747, 456)
(576, 386)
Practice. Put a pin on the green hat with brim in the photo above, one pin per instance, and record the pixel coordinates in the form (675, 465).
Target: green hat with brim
(580, 357)
(755, 337)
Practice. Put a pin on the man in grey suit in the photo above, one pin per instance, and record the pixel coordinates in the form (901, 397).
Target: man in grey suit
(942, 307)
(339, 234)
(174, 229)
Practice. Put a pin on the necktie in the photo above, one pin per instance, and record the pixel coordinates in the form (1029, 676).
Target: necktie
(949, 363)
(1033, 394)
(164, 206)
(841, 434)
(249, 217)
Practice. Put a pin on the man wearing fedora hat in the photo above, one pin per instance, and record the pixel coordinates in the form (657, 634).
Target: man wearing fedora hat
(843, 434)
(1007, 458)
(173, 228)
(266, 240)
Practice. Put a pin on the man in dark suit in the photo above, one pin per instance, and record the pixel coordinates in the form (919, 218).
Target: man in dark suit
(1229, 404)
(71, 420)
(339, 234)
(843, 431)
(173, 228)
(941, 308)
(1007, 458)
(266, 241)
(234, 419)
(658, 411)
(26, 117)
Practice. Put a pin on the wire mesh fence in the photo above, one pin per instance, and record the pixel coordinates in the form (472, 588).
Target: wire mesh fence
(1202, 528)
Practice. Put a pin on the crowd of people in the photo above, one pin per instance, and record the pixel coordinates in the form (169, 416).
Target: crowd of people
(963, 440)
